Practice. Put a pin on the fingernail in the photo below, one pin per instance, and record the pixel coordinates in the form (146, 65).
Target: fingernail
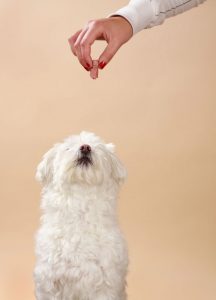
(102, 64)
(87, 67)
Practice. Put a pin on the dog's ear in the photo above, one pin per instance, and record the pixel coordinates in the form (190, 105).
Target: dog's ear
(111, 147)
(44, 173)
(119, 172)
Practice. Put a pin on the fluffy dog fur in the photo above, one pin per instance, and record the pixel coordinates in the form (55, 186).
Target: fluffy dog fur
(81, 253)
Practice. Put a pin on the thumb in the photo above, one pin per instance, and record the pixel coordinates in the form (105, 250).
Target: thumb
(108, 54)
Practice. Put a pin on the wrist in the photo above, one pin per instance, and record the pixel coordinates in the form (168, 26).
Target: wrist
(124, 23)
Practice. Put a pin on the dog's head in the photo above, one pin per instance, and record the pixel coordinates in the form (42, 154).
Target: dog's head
(80, 159)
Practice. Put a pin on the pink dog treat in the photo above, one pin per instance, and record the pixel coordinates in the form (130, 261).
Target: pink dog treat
(94, 70)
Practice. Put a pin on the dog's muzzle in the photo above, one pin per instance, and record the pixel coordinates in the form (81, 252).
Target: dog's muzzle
(84, 157)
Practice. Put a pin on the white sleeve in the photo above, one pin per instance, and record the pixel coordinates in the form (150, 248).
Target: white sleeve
(148, 13)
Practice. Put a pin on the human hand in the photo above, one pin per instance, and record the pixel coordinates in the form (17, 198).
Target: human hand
(114, 30)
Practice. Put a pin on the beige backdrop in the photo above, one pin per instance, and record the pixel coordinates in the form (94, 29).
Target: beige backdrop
(156, 101)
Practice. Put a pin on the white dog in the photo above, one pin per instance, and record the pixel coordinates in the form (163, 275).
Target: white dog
(81, 253)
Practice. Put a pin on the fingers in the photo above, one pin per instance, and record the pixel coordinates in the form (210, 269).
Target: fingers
(77, 47)
(108, 53)
(72, 41)
(114, 30)
(81, 43)
(88, 39)
(75, 42)
(85, 42)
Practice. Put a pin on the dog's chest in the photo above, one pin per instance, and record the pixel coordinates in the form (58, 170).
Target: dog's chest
(79, 228)
(79, 217)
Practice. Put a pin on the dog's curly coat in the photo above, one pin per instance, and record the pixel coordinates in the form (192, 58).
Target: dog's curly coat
(81, 253)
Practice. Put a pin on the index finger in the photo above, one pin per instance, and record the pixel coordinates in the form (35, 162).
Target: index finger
(92, 34)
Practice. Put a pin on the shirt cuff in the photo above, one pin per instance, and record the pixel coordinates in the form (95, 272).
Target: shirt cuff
(139, 14)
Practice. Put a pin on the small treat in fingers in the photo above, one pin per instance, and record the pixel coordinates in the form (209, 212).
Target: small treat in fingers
(94, 70)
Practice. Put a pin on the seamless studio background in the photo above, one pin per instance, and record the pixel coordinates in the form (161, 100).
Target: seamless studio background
(156, 101)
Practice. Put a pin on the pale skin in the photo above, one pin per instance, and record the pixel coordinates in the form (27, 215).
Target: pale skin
(115, 30)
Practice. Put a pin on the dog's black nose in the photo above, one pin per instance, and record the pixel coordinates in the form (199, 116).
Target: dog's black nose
(85, 149)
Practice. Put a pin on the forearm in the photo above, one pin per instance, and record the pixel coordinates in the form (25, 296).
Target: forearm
(148, 13)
